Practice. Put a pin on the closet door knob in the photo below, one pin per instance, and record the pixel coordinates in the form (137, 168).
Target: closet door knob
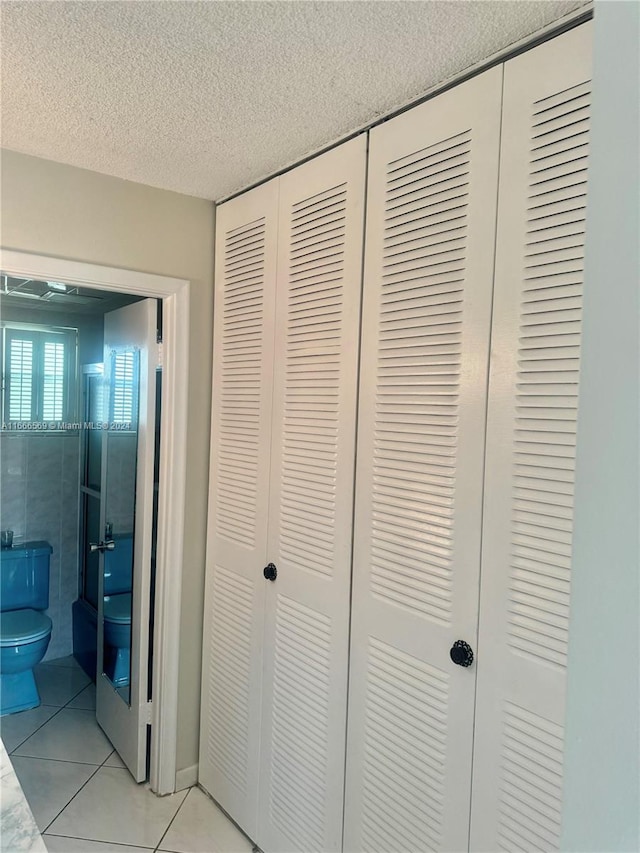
(270, 572)
(461, 653)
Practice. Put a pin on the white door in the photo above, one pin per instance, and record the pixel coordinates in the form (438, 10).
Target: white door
(246, 246)
(128, 442)
(531, 436)
(306, 637)
(433, 177)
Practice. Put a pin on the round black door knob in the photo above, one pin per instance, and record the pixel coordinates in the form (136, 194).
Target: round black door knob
(461, 653)
(270, 572)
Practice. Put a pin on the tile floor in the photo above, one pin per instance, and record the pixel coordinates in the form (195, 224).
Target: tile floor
(81, 795)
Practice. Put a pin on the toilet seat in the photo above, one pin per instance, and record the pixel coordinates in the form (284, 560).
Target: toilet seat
(117, 608)
(23, 626)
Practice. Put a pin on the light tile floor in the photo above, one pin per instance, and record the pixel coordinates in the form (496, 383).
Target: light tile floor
(83, 798)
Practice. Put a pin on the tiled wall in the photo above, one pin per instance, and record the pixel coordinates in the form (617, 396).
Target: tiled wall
(39, 500)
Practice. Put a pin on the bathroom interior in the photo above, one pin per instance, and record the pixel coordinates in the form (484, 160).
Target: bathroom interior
(54, 454)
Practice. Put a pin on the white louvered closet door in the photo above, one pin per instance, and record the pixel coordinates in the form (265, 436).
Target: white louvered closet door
(531, 437)
(433, 176)
(311, 505)
(246, 249)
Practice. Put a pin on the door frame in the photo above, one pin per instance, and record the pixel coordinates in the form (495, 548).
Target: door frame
(172, 485)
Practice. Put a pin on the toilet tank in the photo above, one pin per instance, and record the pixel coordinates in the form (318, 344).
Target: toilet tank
(24, 576)
(118, 565)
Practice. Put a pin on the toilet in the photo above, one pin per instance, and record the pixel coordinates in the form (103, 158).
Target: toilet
(117, 610)
(25, 630)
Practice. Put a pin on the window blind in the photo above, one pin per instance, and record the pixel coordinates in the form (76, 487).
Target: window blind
(21, 379)
(123, 387)
(53, 385)
(39, 375)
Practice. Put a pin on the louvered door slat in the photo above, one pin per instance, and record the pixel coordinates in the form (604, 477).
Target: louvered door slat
(311, 503)
(531, 441)
(426, 320)
(246, 249)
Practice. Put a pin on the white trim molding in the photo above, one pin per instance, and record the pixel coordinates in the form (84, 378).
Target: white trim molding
(187, 777)
(172, 489)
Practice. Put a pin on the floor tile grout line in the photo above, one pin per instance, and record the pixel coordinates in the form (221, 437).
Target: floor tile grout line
(110, 754)
(114, 766)
(61, 760)
(78, 838)
(39, 758)
(97, 768)
(11, 752)
(42, 832)
(75, 696)
(46, 705)
(162, 837)
(35, 731)
(61, 708)
(123, 844)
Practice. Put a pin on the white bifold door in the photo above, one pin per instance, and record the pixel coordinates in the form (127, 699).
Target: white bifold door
(466, 445)
(246, 247)
(531, 443)
(288, 288)
(428, 280)
(448, 632)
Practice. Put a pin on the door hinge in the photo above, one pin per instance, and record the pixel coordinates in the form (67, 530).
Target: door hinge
(146, 712)
(159, 361)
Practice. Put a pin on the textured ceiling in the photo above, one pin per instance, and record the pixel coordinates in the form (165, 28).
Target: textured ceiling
(208, 97)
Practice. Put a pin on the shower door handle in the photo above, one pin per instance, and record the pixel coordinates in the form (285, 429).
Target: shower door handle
(102, 546)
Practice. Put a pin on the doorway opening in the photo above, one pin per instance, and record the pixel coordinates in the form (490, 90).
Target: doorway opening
(85, 287)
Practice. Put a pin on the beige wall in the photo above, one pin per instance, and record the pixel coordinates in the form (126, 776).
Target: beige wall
(52, 209)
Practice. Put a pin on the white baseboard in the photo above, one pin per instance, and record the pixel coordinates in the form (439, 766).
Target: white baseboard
(187, 777)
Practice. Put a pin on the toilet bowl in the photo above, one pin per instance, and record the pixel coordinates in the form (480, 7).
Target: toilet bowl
(24, 638)
(24, 630)
(117, 637)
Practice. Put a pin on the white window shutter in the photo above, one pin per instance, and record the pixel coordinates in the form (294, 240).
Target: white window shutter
(39, 374)
(20, 379)
(54, 362)
(123, 387)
